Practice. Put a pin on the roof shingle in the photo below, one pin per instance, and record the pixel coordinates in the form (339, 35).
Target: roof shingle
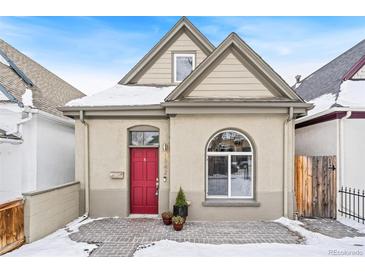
(49, 90)
(328, 79)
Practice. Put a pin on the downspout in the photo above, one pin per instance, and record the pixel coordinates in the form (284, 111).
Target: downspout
(86, 163)
(286, 158)
(19, 125)
(340, 150)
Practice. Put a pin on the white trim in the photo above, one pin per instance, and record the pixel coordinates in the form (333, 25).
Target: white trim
(327, 111)
(11, 141)
(143, 216)
(226, 153)
(229, 155)
(61, 120)
(192, 55)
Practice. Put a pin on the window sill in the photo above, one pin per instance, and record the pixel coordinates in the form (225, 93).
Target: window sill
(230, 203)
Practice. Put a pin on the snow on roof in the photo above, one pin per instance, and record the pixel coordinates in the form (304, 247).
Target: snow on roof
(125, 95)
(3, 61)
(352, 95)
(3, 97)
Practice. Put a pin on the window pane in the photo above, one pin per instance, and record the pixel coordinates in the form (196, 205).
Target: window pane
(184, 65)
(137, 138)
(241, 175)
(218, 175)
(151, 138)
(229, 141)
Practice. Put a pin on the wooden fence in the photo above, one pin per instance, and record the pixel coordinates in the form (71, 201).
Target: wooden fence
(315, 186)
(11, 225)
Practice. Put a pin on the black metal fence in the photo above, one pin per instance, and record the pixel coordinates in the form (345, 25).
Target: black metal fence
(352, 203)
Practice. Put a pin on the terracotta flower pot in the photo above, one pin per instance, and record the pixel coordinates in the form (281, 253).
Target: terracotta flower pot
(178, 227)
(167, 221)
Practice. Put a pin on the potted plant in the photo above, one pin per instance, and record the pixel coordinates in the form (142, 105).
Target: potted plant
(178, 222)
(181, 205)
(167, 217)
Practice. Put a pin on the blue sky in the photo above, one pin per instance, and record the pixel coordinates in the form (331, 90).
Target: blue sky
(93, 53)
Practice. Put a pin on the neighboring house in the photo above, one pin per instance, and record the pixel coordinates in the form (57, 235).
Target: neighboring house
(218, 122)
(36, 140)
(336, 124)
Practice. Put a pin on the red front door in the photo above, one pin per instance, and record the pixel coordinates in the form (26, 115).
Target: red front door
(144, 174)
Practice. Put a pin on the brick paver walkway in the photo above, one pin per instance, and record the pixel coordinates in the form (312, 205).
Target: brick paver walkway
(331, 228)
(122, 236)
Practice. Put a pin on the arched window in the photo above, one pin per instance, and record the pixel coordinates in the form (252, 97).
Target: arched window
(229, 166)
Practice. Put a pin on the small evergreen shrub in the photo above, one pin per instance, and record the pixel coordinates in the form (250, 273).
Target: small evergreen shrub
(180, 198)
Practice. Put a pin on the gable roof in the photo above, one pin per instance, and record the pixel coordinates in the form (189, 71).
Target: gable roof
(328, 79)
(20, 72)
(239, 45)
(183, 23)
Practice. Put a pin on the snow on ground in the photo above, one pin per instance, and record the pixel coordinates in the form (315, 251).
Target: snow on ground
(352, 223)
(315, 245)
(123, 95)
(57, 244)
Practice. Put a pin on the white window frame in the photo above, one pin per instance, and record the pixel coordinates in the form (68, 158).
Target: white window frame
(182, 55)
(229, 155)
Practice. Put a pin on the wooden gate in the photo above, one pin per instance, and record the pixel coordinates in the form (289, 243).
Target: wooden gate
(315, 186)
(11, 225)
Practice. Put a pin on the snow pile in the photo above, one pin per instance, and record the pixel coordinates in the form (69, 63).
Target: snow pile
(124, 95)
(352, 95)
(315, 245)
(27, 98)
(57, 244)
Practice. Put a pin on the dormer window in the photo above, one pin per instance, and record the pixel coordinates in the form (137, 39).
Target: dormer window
(184, 63)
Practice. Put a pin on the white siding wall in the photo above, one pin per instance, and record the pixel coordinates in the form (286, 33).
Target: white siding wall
(10, 175)
(317, 140)
(44, 159)
(55, 153)
(160, 72)
(354, 153)
(231, 79)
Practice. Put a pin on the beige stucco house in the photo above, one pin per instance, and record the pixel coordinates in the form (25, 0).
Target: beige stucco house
(216, 121)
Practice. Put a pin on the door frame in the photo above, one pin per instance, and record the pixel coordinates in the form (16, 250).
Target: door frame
(156, 148)
(141, 127)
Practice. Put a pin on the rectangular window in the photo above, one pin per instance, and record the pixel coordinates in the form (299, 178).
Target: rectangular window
(241, 176)
(183, 65)
(218, 176)
(229, 175)
(144, 138)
